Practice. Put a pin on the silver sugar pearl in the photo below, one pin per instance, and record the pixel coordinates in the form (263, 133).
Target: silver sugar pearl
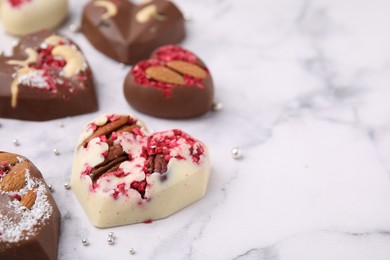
(66, 186)
(56, 152)
(74, 28)
(122, 65)
(217, 106)
(111, 234)
(131, 251)
(236, 153)
(110, 240)
(85, 242)
(51, 189)
(16, 142)
(61, 124)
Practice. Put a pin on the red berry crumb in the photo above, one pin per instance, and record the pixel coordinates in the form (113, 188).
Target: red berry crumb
(4, 168)
(17, 3)
(148, 221)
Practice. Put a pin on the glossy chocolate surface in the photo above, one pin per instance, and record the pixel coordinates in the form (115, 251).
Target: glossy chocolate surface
(129, 32)
(166, 100)
(38, 85)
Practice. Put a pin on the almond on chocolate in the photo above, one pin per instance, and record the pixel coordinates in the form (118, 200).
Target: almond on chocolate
(174, 83)
(29, 217)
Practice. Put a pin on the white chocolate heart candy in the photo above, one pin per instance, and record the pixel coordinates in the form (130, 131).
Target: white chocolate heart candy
(27, 16)
(123, 175)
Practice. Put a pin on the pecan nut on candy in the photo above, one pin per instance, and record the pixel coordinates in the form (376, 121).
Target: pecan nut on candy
(122, 174)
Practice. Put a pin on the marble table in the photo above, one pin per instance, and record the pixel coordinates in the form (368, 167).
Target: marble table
(305, 89)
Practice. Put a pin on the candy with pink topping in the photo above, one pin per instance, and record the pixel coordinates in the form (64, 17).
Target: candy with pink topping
(21, 17)
(122, 174)
(173, 83)
(46, 77)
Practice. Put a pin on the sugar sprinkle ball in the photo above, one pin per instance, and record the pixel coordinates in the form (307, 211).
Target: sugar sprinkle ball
(236, 153)
(85, 242)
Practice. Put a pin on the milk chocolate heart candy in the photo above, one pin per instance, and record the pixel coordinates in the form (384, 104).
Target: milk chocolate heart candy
(174, 83)
(129, 32)
(122, 174)
(21, 17)
(47, 77)
(29, 217)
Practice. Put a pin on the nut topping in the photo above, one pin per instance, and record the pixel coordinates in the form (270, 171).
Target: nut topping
(111, 166)
(9, 158)
(115, 154)
(164, 74)
(107, 128)
(54, 40)
(15, 179)
(74, 59)
(28, 199)
(187, 68)
(157, 163)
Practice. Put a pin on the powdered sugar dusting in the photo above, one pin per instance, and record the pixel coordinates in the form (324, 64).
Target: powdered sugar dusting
(34, 79)
(13, 229)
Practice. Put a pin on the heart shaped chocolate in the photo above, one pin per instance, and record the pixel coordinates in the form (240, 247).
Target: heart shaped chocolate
(29, 217)
(47, 77)
(174, 83)
(122, 174)
(129, 32)
(21, 17)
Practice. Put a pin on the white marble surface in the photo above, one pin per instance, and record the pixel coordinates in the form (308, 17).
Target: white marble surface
(305, 88)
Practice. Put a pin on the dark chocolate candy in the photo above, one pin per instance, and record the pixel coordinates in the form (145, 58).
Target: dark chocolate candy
(174, 83)
(129, 32)
(29, 217)
(47, 77)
